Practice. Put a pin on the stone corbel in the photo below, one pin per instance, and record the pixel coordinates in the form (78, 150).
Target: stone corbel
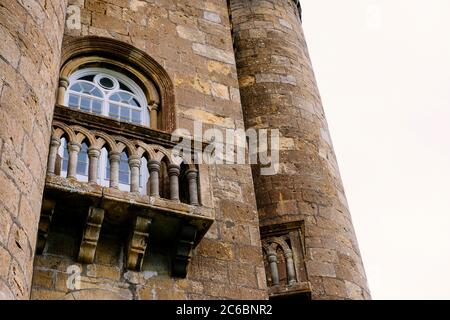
(91, 235)
(138, 243)
(48, 208)
(183, 251)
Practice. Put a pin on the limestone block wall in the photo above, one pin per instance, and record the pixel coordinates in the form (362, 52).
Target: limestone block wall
(192, 41)
(31, 35)
(279, 91)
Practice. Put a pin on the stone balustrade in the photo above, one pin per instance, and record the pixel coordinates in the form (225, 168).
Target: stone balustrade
(136, 148)
(170, 212)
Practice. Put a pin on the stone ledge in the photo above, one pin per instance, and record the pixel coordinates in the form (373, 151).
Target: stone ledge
(108, 198)
(302, 288)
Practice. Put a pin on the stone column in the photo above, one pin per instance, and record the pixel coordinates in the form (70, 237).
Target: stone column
(272, 258)
(74, 149)
(114, 162)
(52, 155)
(279, 91)
(192, 177)
(63, 85)
(154, 168)
(154, 107)
(31, 57)
(174, 174)
(135, 168)
(94, 156)
(290, 267)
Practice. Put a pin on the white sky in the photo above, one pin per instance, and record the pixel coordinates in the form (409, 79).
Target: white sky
(383, 68)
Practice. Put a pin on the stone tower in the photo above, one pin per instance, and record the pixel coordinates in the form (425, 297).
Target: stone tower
(92, 203)
(29, 54)
(279, 91)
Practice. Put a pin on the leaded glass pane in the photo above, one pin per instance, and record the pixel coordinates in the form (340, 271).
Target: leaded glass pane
(74, 101)
(97, 93)
(125, 114)
(97, 106)
(114, 111)
(85, 104)
(76, 87)
(136, 116)
(82, 164)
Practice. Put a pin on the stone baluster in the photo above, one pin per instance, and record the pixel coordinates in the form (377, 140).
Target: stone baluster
(135, 167)
(290, 267)
(74, 149)
(54, 146)
(273, 263)
(94, 156)
(192, 177)
(174, 174)
(63, 85)
(114, 162)
(154, 168)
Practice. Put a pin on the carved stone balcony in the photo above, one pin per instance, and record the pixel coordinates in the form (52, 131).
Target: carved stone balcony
(169, 212)
(283, 248)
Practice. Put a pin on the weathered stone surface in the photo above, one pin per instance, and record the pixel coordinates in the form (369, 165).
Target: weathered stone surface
(190, 34)
(211, 16)
(29, 78)
(321, 269)
(213, 53)
(270, 47)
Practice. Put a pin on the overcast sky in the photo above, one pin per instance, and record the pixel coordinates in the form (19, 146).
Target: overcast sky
(383, 69)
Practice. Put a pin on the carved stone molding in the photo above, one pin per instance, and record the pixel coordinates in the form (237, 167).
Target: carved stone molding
(183, 251)
(138, 243)
(48, 208)
(91, 235)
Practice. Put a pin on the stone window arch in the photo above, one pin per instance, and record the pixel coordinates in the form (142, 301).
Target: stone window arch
(109, 93)
(120, 62)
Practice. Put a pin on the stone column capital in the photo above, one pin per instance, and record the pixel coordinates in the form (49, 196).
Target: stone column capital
(55, 142)
(154, 165)
(134, 161)
(272, 258)
(74, 147)
(153, 106)
(173, 170)
(94, 152)
(64, 82)
(114, 156)
(192, 174)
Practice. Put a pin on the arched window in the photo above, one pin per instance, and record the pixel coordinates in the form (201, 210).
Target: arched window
(132, 87)
(108, 93)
